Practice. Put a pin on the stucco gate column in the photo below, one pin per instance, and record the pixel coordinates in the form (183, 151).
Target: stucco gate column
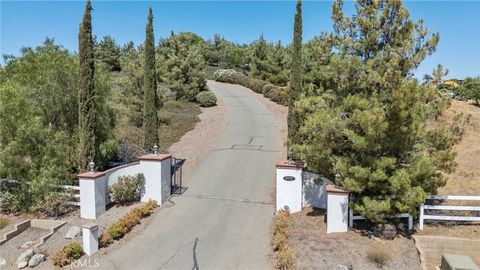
(157, 169)
(93, 192)
(337, 209)
(289, 186)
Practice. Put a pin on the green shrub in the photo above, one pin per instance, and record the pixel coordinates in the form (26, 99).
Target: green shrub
(267, 88)
(206, 99)
(274, 93)
(55, 204)
(117, 231)
(9, 203)
(470, 89)
(73, 250)
(127, 189)
(65, 256)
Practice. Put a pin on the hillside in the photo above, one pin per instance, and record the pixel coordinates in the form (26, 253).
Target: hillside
(466, 179)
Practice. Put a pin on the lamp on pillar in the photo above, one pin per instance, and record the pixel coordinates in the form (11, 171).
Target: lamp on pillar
(91, 165)
(338, 177)
(155, 149)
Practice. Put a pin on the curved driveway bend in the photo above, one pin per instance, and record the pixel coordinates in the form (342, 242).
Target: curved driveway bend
(223, 219)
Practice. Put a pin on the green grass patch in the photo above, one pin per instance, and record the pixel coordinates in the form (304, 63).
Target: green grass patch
(3, 223)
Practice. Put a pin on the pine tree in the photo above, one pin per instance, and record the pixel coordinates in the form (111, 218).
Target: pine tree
(295, 79)
(369, 124)
(107, 52)
(259, 65)
(184, 65)
(150, 98)
(278, 65)
(86, 92)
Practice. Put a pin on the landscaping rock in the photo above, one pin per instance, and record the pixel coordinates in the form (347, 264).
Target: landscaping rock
(73, 232)
(386, 231)
(342, 267)
(27, 245)
(24, 257)
(35, 260)
(3, 262)
(22, 265)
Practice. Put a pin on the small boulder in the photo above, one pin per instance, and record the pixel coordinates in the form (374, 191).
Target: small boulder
(3, 262)
(27, 245)
(25, 257)
(73, 232)
(385, 231)
(36, 259)
(342, 267)
(22, 265)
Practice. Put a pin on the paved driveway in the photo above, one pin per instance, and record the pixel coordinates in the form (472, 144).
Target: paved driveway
(223, 220)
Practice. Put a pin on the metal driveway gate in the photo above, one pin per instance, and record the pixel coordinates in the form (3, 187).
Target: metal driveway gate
(176, 182)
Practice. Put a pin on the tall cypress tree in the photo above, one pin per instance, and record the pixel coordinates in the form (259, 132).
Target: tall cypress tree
(295, 78)
(86, 91)
(150, 99)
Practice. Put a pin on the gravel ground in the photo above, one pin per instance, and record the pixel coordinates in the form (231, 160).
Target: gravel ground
(12, 221)
(11, 250)
(213, 121)
(314, 249)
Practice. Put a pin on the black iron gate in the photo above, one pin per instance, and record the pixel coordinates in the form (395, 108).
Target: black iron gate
(176, 182)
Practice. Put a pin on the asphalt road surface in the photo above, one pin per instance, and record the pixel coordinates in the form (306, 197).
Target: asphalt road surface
(223, 219)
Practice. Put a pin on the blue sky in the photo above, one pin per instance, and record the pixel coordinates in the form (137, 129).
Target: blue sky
(27, 23)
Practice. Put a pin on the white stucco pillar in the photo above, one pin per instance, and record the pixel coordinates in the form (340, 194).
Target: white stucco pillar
(93, 192)
(289, 186)
(337, 209)
(157, 171)
(90, 238)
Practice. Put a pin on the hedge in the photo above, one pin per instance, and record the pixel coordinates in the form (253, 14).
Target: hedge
(274, 93)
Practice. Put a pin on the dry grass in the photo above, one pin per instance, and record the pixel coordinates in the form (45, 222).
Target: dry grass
(315, 249)
(284, 257)
(466, 179)
(177, 118)
(379, 255)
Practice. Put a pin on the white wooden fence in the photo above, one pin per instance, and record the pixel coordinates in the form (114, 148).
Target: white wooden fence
(76, 193)
(424, 217)
(352, 217)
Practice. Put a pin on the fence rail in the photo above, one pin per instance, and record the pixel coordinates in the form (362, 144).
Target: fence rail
(352, 217)
(76, 193)
(424, 207)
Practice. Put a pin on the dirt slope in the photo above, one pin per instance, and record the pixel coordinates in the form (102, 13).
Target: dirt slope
(466, 179)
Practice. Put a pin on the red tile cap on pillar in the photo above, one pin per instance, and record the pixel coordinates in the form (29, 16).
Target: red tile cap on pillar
(334, 189)
(157, 157)
(290, 164)
(91, 175)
